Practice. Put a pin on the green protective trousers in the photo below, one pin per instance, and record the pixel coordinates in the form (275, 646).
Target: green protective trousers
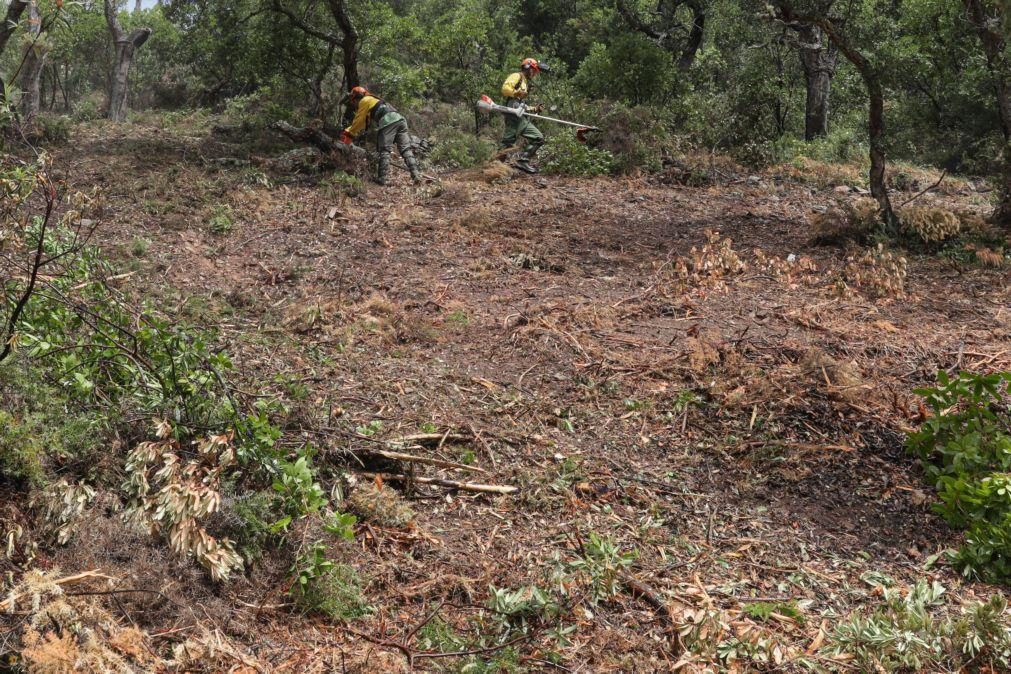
(522, 127)
(395, 132)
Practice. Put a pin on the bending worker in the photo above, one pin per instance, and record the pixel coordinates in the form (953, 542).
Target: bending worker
(516, 89)
(391, 126)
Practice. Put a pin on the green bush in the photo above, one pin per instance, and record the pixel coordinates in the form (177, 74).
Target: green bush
(965, 448)
(21, 452)
(564, 154)
(453, 148)
(55, 128)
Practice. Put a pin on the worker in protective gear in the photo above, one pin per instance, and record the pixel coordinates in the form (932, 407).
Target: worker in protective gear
(373, 112)
(516, 89)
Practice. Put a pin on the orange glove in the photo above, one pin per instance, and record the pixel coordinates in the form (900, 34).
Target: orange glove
(346, 137)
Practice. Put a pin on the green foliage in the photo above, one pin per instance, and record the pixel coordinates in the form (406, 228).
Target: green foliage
(298, 492)
(564, 154)
(909, 632)
(965, 447)
(21, 452)
(602, 562)
(55, 128)
(763, 610)
(341, 184)
(321, 586)
(221, 219)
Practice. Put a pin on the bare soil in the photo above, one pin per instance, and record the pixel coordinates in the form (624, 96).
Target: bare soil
(742, 431)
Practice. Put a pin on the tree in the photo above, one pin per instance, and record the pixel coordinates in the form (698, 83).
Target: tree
(818, 59)
(678, 34)
(989, 20)
(820, 14)
(347, 38)
(32, 63)
(126, 46)
(10, 22)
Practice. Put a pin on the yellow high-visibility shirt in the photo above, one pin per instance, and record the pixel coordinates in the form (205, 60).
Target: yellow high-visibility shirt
(515, 86)
(362, 115)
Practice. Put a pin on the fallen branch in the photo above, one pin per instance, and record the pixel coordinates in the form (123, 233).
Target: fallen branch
(314, 136)
(912, 199)
(12, 600)
(449, 484)
(437, 438)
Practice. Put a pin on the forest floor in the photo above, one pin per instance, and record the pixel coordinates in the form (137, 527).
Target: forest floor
(733, 417)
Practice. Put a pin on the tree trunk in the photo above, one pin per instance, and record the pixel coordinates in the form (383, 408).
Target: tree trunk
(350, 44)
(988, 28)
(31, 69)
(10, 21)
(137, 7)
(126, 46)
(819, 63)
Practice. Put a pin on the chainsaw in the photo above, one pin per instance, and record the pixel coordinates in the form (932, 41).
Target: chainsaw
(486, 104)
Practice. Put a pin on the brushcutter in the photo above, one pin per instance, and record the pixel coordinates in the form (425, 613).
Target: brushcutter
(486, 104)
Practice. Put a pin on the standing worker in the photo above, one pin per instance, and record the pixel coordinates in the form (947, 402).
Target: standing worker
(516, 89)
(391, 127)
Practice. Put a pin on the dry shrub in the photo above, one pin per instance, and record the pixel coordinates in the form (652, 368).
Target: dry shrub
(478, 219)
(820, 173)
(784, 270)
(171, 491)
(987, 256)
(378, 503)
(853, 221)
(451, 193)
(709, 265)
(840, 380)
(65, 634)
(876, 273)
(700, 170)
(704, 350)
(493, 173)
(930, 223)
(304, 317)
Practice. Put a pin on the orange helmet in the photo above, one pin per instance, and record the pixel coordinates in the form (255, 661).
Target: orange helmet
(359, 92)
(531, 64)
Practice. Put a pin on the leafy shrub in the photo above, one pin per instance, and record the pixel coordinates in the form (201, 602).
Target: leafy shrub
(965, 448)
(21, 452)
(909, 632)
(341, 184)
(321, 586)
(564, 154)
(55, 129)
(454, 148)
(220, 219)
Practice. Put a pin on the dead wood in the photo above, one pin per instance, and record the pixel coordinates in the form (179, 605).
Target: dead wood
(449, 484)
(414, 458)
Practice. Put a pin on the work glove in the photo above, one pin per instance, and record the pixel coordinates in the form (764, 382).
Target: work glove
(346, 137)
(536, 109)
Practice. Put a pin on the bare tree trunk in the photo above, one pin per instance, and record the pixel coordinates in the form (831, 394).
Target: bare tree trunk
(126, 46)
(785, 13)
(819, 63)
(137, 7)
(31, 69)
(988, 25)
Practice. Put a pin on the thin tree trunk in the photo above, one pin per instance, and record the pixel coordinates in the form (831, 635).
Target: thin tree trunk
(31, 70)
(137, 7)
(126, 46)
(819, 63)
(989, 30)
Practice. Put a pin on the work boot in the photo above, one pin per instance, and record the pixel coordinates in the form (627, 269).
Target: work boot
(523, 164)
(384, 168)
(412, 166)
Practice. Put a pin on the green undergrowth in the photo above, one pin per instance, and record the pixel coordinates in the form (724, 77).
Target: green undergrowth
(965, 449)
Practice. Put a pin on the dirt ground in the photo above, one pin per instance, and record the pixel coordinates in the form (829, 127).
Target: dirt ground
(735, 417)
